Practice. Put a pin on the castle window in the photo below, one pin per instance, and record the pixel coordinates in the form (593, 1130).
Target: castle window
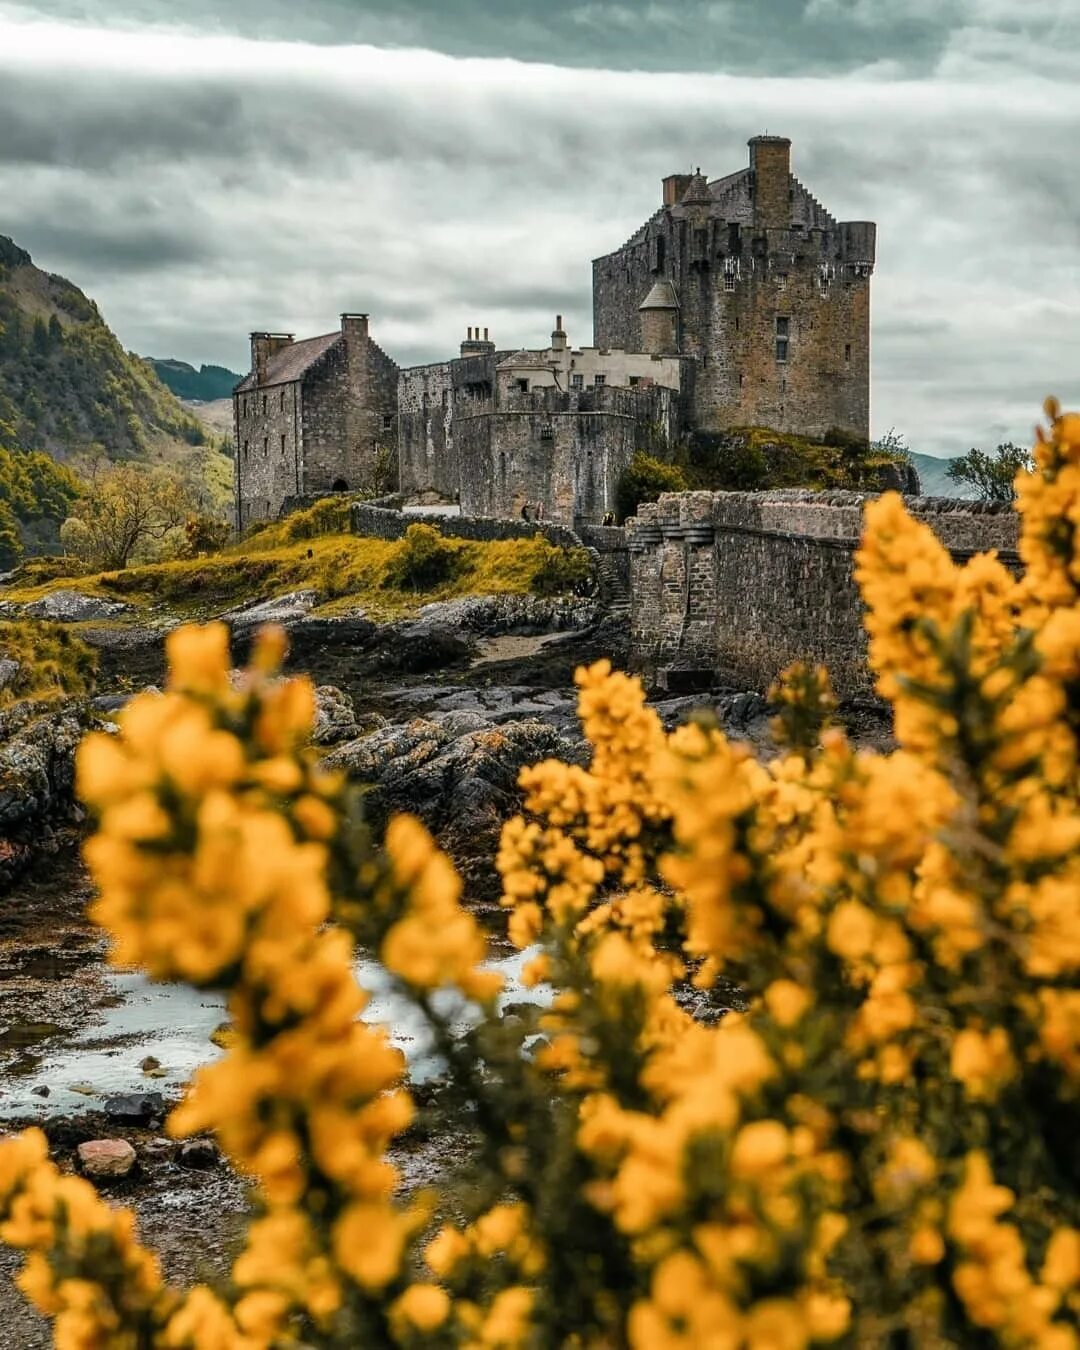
(523, 386)
(783, 326)
(245, 449)
(781, 349)
(659, 253)
(599, 379)
(847, 351)
(729, 281)
(577, 381)
(283, 400)
(740, 379)
(781, 281)
(266, 446)
(264, 402)
(282, 445)
(635, 380)
(388, 422)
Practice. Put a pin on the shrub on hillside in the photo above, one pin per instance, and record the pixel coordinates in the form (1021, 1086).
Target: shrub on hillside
(643, 480)
(129, 513)
(877, 1151)
(424, 560)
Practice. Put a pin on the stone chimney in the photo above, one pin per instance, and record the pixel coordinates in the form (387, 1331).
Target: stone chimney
(770, 165)
(558, 337)
(674, 185)
(475, 345)
(263, 347)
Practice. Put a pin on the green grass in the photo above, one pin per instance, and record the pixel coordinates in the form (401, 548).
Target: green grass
(53, 662)
(345, 570)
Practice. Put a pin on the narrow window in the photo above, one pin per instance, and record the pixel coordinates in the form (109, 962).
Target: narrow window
(781, 349)
(245, 449)
(577, 381)
(781, 281)
(783, 327)
(847, 351)
(282, 400)
(266, 446)
(729, 282)
(635, 380)
(736, 323)
(599, 379)
(388, 422)
(264, 402)
(282, 445)
(740, 379)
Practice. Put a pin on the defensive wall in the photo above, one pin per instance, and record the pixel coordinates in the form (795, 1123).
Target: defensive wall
(730, 587)
(386, 523)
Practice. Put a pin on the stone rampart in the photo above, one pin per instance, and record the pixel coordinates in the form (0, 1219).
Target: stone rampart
(383, 523)
(730, 587)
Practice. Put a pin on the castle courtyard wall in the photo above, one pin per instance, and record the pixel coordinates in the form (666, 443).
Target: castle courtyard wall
(731, 587)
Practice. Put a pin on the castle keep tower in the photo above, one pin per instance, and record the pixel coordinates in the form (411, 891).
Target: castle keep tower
(753, 279)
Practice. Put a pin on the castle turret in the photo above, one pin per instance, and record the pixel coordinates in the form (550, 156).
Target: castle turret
(770, 165)
(660, 320)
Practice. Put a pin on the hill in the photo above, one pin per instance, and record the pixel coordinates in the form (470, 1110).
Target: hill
(205, 385)
(934, 479)
(67, 385)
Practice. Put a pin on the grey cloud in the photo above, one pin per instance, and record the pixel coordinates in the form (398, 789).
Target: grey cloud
(276, 192)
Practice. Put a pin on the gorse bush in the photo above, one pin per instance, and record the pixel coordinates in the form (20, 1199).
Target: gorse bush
(878, 1151)
(562, 571)
(424, 560)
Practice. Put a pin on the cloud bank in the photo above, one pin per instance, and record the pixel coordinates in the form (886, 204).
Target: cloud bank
(201, 183)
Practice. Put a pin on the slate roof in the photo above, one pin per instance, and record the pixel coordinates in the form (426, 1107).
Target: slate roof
(291, 362)
(524, 360)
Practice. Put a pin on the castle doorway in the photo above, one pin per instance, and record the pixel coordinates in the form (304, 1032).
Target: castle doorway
(339, 485)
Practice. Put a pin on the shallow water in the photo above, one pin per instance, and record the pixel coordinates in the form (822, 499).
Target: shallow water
(173, 1023)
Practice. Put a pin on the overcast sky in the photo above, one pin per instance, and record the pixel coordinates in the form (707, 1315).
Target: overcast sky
(440, 163)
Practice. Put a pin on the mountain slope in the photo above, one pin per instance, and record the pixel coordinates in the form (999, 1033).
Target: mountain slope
(934, 478)
(205, 385)
(66, 383)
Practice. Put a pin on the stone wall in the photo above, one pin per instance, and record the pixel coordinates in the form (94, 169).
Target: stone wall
(732, 587)
(349, 412)
(381, 523)
(426, 458)
(267, 450)
(567, 450)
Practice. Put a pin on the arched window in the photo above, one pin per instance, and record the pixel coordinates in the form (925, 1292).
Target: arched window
(339, 485)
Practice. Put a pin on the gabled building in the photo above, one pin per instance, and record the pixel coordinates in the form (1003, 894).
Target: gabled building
(311, 417)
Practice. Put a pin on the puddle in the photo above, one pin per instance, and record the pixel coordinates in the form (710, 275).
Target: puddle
(174, 1023)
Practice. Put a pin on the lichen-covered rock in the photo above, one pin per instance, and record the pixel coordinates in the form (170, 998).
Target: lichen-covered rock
(66, 606)
(281, 609)
(492, 615)
(335, 716)
(461, 783)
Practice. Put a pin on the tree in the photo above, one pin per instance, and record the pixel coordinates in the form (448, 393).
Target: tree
(992, 476)
(643, 480)
(128, 510)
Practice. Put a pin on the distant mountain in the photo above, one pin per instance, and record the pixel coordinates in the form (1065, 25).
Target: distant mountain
(205, 385)
(933, 475)
(67, 385)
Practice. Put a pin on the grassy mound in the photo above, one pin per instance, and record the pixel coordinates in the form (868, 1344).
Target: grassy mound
(52, 661)
(344, 570)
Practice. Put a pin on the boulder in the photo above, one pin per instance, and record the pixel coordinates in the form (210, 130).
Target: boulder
(460, 778)
(9, 671)
(106, 1159)
(493, 615)
(283, 609)
(37, 777)
(66, 606)
(139, 1106)
(198, 1154)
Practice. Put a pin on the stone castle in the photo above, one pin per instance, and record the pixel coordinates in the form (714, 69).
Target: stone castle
(740, 302)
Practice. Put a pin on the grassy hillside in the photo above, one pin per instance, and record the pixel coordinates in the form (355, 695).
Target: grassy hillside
(205, 385)
(67, 386)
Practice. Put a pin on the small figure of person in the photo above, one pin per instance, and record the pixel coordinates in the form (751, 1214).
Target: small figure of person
(525, 511)
(539, 510)
(609, 517)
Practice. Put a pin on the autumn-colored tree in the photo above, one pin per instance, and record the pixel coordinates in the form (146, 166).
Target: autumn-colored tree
(128, 510)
